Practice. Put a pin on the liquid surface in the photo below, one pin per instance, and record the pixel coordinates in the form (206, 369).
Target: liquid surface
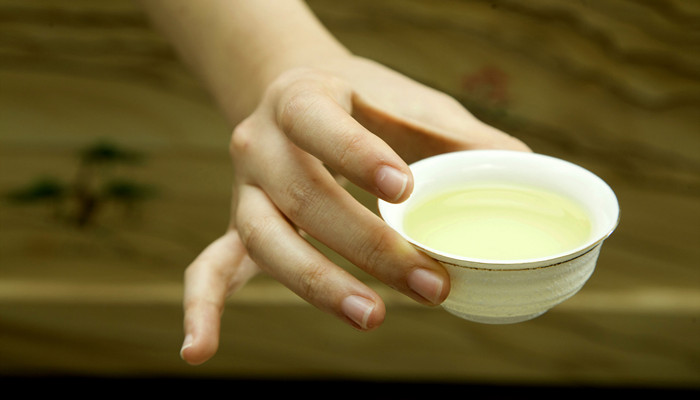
(498, 222)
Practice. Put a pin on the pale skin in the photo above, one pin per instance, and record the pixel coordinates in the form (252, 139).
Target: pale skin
(300, 105)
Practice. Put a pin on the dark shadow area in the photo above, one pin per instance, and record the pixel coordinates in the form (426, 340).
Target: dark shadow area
(248, 388)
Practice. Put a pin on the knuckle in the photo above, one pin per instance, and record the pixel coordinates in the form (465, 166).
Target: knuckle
(312, 281)
(299, 90)
(353, 144)
(294, 105)
(255, 233)
(241, 138)
(303, 198)
(376, 248)
(200, 303)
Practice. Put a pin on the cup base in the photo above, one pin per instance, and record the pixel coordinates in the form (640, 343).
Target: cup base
(485, 319)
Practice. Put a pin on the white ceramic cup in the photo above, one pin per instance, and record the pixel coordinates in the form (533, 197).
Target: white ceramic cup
(498, 291)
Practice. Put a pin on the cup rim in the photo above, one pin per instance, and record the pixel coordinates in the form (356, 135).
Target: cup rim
(385, 207)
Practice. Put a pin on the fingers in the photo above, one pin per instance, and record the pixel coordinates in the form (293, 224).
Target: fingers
(445, 128)
(314, 113)
(311, 199)
(306, 122)
(301, 267)
(220, 269)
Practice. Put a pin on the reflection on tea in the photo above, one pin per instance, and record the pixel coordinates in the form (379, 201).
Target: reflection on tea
(498, 222)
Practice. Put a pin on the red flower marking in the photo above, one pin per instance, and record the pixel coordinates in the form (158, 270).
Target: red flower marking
(489, 84)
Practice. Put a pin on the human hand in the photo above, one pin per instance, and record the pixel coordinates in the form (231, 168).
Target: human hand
(363, 122)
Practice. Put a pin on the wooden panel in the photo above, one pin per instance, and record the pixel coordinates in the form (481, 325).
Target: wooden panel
(613, 86)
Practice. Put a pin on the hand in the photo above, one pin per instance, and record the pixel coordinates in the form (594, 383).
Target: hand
(363, 122)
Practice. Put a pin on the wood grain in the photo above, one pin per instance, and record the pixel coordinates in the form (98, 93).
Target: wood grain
(612, 86)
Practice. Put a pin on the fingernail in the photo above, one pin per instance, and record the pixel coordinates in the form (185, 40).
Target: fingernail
(187, 343)
(391, 182)
(427, 284)
(358, 309)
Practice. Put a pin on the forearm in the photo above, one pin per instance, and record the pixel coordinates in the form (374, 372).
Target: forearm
(237, 47)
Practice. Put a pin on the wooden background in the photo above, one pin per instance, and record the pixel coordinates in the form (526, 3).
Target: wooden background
(613, 86)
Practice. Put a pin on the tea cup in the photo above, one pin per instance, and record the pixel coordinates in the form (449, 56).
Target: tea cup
(501, 291)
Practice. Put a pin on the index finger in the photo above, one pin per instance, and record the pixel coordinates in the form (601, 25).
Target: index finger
(315, 114)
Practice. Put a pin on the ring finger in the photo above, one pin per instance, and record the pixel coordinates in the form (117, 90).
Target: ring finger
(299, 266)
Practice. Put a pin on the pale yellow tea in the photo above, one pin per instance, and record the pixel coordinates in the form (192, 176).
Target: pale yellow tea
(498, 222)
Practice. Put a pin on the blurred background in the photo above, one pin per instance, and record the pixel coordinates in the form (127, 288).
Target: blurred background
(92, 99)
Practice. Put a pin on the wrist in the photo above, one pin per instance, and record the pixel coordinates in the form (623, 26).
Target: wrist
(288, 36)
